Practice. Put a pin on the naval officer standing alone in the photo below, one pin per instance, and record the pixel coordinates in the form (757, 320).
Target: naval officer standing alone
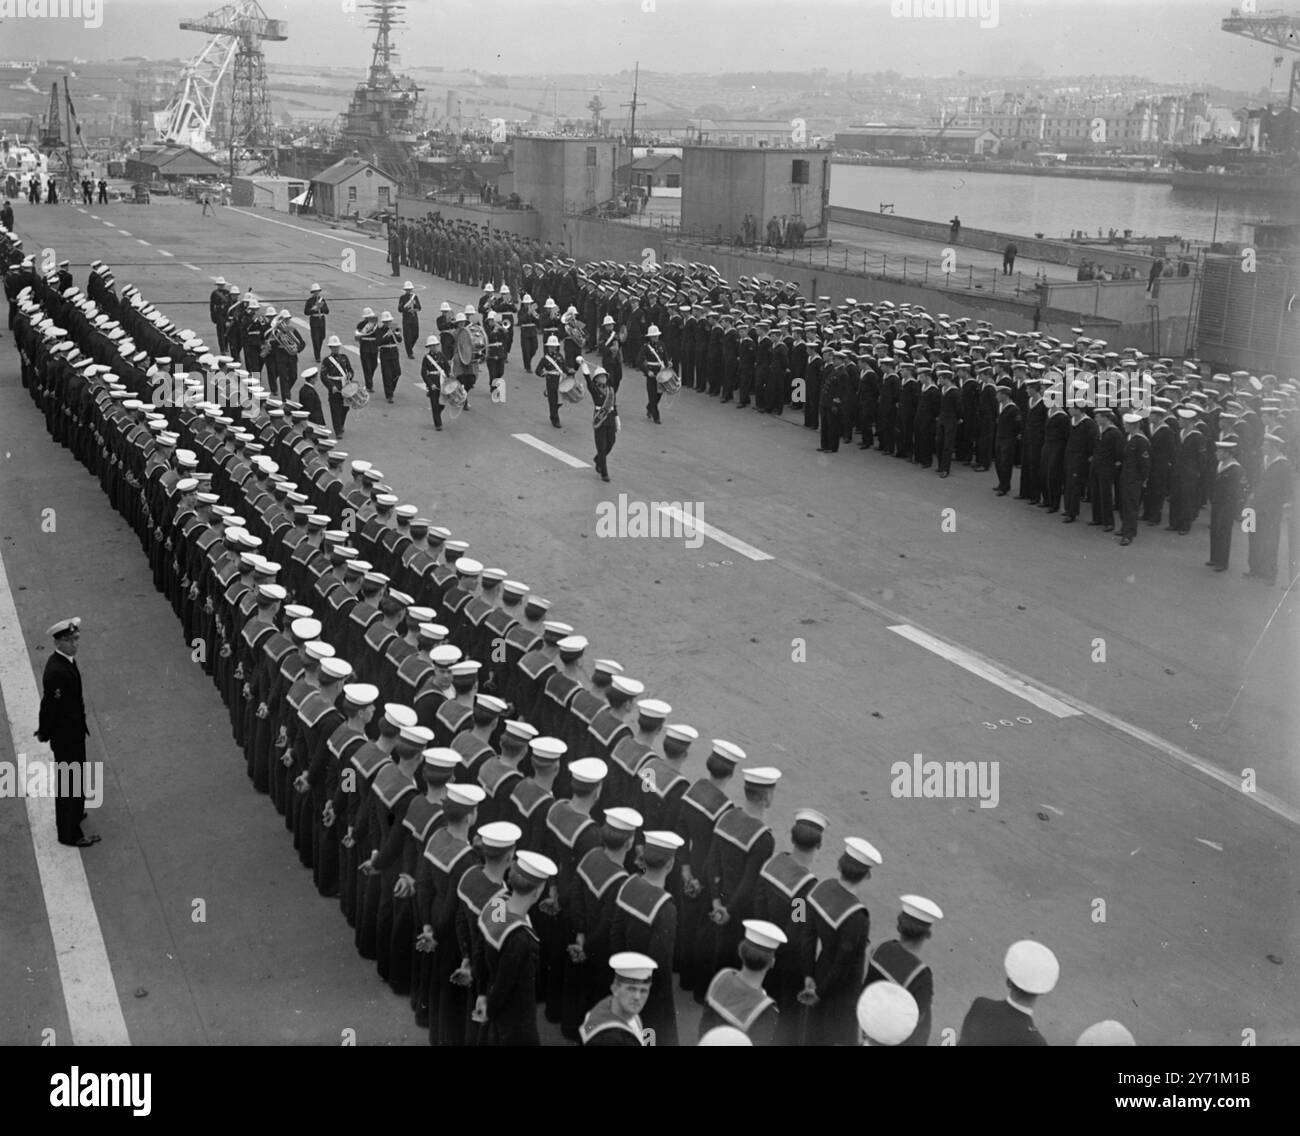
(63, 725)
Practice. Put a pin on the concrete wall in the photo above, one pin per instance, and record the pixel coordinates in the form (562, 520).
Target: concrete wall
(720, 184)
(525, 223)
(1053, 252)
(553, 175)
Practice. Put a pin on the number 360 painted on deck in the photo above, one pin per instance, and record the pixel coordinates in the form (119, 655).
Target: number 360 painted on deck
(1007, 722)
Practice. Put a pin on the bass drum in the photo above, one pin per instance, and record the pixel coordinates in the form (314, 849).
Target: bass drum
(669, 385)
(464, 348)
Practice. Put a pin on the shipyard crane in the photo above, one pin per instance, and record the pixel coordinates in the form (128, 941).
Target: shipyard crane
(237, 32)
(1275, 28)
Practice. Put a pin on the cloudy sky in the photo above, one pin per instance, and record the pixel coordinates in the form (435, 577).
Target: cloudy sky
(1176, 41)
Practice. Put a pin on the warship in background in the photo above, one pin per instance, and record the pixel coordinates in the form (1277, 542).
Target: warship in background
(380, 121)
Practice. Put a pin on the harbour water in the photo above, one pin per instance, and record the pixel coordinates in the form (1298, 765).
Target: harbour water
(1053, 206)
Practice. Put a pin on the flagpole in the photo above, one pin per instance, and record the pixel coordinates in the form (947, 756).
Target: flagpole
(67, 108)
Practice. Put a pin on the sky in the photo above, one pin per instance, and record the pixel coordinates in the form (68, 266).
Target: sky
(1168, 41)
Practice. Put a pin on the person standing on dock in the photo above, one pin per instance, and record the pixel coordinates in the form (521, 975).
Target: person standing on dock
(954, 228)
(1009, 258)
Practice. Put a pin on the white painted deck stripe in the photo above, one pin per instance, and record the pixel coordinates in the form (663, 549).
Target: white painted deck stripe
(692, 525)
(547, 448)
(986, 671)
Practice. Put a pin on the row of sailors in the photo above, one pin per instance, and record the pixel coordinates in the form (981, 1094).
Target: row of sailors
(346, 785)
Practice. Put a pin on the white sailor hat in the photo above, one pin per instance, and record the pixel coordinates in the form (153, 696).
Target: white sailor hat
(442, 757)
(547, 749)
(491, 704)
(536, 865)
(628, 820)
(863, 851)
(309, 374)
(64, 627)
(762, 775)
(515, 588)
(572, 644)
(628, 686)
(187, 485)
(445, 654)
(1186, 412)
(811, 816)
(420, 736)
(471, 796)
(319, 650)
(361, 693)
(516, 727)
(556, 628)
(398, 715)
(588, 770)
(633, 966)
(1106, 1033)
(764, 934)
(653, 709)
(272, 592)
(305, 629)
(468, 567)
(725, 1035)
(1031, 967)
(466, 667)
(418, 614)
(1225, 445)
(728, 751)
(887, 1013)
(918, 907)
(680, 732)
(335, 669)
(1132, 419)
(669, 840)
(401, 597)
(499, 834)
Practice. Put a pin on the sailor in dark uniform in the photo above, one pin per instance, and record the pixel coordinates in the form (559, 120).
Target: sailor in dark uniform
(616, 1020)
(1032, 971)
(742, 843)
(1270, 497)
(1189, 455)
(481, 886)
(1225, 505)
(897, 961)
(646, 921)
(447, 857)
(782, 898)
(736, 997)
(701, 806)
(507, 1007)
(63, 725)
(591, 905)
(308, 397)
(1135, 465)
(835, 946)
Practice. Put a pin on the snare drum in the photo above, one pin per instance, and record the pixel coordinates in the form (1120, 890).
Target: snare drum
(571, 389)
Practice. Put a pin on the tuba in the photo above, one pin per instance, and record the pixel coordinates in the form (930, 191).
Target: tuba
(285, 339)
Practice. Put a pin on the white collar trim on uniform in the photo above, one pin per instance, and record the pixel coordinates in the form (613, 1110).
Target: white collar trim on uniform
(1028, 1011)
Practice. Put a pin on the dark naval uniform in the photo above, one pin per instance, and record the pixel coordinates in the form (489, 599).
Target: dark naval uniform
(646, 921)
(731, 1001)
(63, 725)
(604, 1027)
(834, 954)
(893, 962)
(990, 1022)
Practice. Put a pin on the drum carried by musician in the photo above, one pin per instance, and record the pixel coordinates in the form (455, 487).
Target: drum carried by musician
(341, 386)
(471, 350)
(661, 381)
(551, 368)
(441, 387)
